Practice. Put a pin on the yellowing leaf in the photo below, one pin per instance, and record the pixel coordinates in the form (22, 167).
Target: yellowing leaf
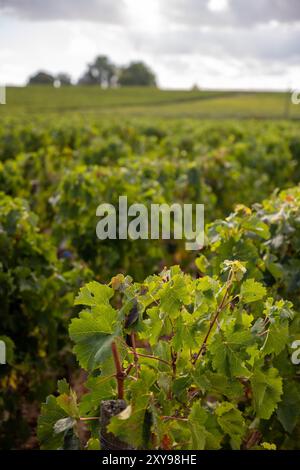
(252, 291)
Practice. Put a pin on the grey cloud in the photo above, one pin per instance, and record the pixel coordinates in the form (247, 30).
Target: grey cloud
(283, 11)
(279, 43)
(238, 13)
(102, 11)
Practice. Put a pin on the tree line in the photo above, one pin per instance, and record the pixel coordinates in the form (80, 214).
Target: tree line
(103, 72)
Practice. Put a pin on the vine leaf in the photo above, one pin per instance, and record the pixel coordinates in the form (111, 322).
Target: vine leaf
(226, 351)
(93, 444)
(51, 413)
(277, 337)
(128, 426)
(203, 428)
(267, 391)
(174, 295)
(93, 294)
(288, 411)
(252, 291)
(100, 388)
(93, 334)
(232, 423)
(69, 404)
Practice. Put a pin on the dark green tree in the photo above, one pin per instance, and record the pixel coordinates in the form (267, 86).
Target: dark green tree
(101, 72)
(41, 78)
(137, 74)
(63, 79)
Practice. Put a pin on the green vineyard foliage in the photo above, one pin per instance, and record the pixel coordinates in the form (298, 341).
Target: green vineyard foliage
(202, 363)
(54, 172)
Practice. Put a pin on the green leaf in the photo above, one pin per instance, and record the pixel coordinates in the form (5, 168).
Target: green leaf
(202, 263)
(69, 404)
(277, 337)
(93, 294)
(268, 446)
(217, 384)
(51, 412)
(204, 432)
(232, 423)
(197, 419)
(288, 410)
(183, 337)
(128, 426)
(71, 440)
(63, 386)
(254, 224)
(93, 444)
(93, 335)
(152, 326)
(227, 351)
(101, 388)
(173, 295)
(180, 387)
(267, 391)
(237, 268)
(252, 291)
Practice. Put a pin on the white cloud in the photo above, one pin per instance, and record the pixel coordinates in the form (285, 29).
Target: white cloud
(218, 5)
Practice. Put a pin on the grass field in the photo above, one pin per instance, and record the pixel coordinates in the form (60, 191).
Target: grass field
(150, 102)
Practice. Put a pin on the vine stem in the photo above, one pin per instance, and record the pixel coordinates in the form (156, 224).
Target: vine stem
(120, 374)
(221, 306)
(174, 359)
(176, 418)
(150, 357)
(135, 355)
(92, 418)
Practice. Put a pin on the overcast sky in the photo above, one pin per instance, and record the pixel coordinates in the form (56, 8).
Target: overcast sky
(212, 43)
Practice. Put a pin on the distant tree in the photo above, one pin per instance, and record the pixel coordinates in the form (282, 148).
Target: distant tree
(101, 72)
(137, 74)
(63, 79)
(41, 78)
(86, 79)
